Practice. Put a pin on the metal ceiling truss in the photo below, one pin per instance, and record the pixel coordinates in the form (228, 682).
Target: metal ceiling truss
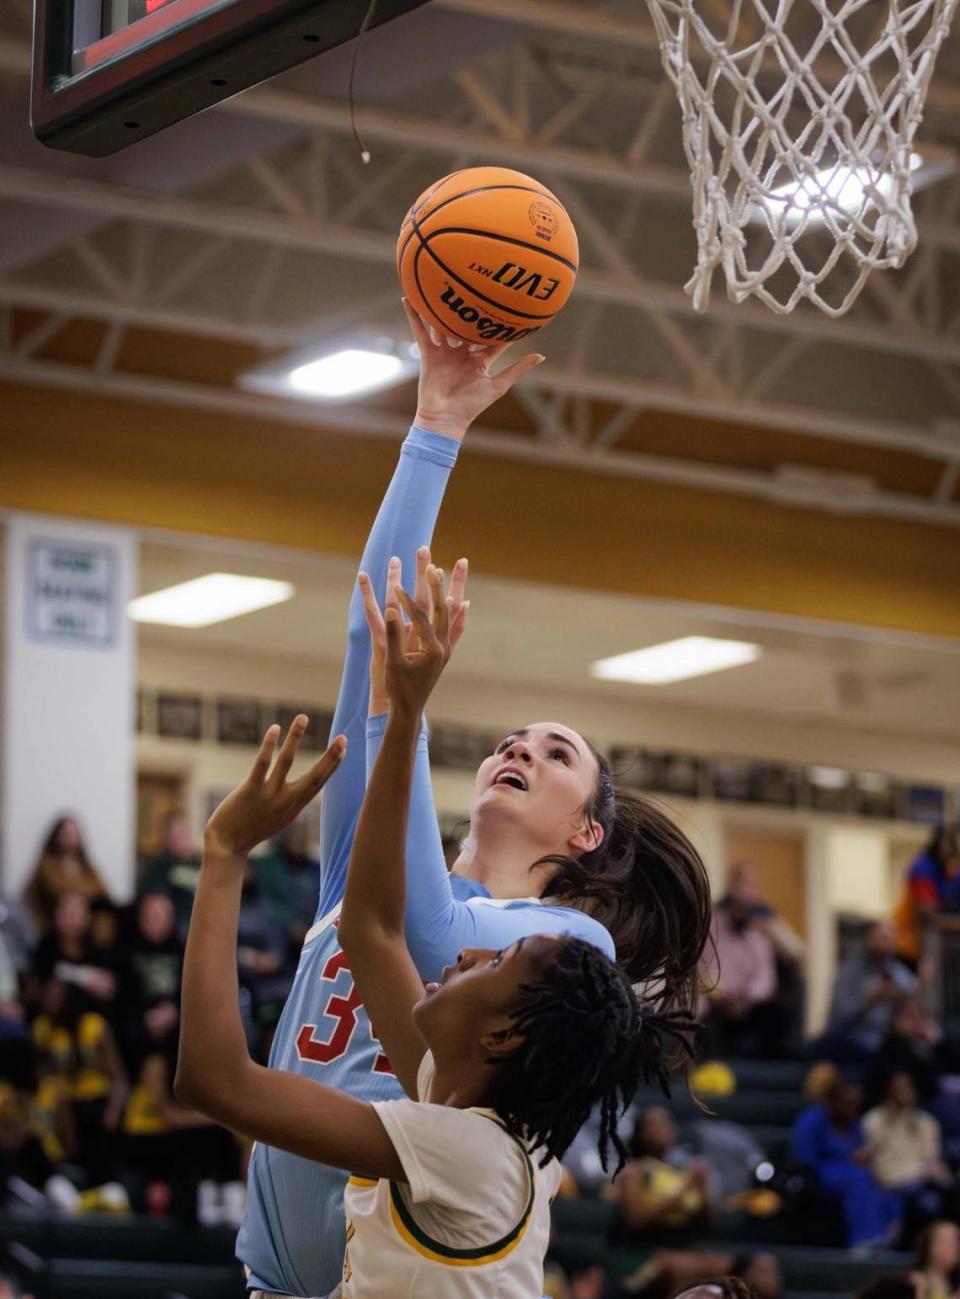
(631, 344)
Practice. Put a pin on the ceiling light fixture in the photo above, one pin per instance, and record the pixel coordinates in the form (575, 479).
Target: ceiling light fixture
(363, 363)
(845, 189)
(209, 599)
(676, 660)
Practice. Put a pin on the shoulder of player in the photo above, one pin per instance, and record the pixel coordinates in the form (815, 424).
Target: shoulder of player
(482, 1133)
(573, 921)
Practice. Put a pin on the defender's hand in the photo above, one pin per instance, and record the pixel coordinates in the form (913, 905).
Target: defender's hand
(413, 672)
(423, 598)
(266, 802)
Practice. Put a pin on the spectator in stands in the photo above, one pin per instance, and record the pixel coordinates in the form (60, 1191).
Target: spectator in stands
(63, 867)
(289, 880)
(67, 951)
(867, 991)
(156, 962)
(266, 975)
(828, 1139)
(76, 1048)
(175, 870)
(761, 1272)
(916, 1045)
(932, 884)
(18, 937)
(903, 1146)
(21, 1154)
(936, 1273)
(913, 1045)
(16, 943)
(152, 1117)
(744, 882)
(741, 1010)
(790, 955)
(890, 1285)
(661, 1187)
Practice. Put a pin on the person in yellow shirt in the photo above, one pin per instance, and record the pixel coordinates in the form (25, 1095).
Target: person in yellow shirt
(151, 1117)
(76, 1051)
(653, 1193)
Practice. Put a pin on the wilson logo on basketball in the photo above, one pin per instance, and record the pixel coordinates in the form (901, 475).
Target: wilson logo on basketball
(487, 329)
(544, 220)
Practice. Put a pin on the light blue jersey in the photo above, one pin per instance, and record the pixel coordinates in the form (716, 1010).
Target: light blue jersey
(292, 1238)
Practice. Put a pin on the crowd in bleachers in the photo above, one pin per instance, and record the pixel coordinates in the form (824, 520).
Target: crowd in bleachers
(89, 1019)
(850, 1141)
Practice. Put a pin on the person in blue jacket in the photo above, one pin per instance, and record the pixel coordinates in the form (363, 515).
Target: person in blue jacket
(828, 1138)
(552, 849)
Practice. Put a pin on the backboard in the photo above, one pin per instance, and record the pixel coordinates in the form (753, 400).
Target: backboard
(108, 73)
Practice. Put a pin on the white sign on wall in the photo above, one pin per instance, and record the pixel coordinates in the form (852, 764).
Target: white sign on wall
(72, 592)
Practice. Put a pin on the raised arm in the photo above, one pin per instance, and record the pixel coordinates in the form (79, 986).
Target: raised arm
(372, 920)
(455, 387)
(404, 522)
(215, 1074)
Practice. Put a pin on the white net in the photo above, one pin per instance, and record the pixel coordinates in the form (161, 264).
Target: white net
(800, 146)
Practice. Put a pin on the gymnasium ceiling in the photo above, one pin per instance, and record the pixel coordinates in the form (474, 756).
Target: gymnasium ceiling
(158, 275)
(821, 674)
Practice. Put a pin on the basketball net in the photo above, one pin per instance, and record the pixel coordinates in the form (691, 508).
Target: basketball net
(800, 147)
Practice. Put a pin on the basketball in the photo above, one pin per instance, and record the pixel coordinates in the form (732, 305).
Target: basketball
(487, 255)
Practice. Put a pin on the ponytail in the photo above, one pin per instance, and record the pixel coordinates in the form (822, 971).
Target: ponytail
(647, 884)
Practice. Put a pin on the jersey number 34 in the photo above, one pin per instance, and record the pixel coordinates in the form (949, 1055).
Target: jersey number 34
(344, 1011)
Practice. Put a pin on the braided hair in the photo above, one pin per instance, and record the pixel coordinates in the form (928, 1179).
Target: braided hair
(587, 1040)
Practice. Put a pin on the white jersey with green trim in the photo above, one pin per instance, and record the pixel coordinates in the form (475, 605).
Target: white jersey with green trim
(471, 1220)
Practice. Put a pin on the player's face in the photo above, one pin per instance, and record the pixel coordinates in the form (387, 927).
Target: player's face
(478, 994)
(540, 778)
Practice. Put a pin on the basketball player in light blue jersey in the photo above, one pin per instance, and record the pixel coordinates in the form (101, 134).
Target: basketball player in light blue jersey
(617, 873)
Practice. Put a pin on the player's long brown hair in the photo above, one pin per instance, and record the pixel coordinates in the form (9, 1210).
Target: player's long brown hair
(646, 883)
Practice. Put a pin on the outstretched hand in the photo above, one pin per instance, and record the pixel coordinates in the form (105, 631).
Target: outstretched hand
(266, 801)
(456, 385)
(413, 669)
(423, 598)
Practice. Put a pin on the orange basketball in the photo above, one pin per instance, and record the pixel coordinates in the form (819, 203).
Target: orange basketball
(487, 255)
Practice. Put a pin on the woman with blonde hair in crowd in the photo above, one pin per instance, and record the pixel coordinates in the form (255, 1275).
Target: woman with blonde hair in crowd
(63, 867)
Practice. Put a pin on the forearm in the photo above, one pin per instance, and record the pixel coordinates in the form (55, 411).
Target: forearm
(429, 906)
(375, 893)
(213, 1048)
(404, 522)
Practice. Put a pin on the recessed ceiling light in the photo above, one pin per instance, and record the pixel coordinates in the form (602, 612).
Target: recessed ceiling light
(844, 189)
(676, 660)
(206, 600)
(364, 363)
(346, 373)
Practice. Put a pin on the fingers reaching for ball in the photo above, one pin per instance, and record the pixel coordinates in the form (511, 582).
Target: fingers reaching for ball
(423, 331)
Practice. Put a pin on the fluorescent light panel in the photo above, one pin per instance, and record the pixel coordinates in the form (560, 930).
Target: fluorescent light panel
(346, 374)
(362, 362)
(206, 600)
(676, 660)
(841, 187)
